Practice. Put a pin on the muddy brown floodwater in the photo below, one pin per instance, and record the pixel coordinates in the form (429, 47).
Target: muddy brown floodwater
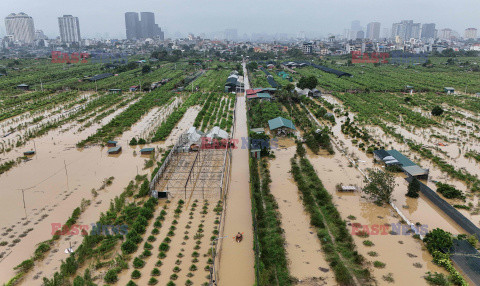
(304, 253)
(49, 199)
(236, 265)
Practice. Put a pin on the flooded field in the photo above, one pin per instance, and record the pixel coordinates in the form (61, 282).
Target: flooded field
(307, 261)
(51, 195)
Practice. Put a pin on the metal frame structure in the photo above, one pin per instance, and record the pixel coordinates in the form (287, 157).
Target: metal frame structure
(199, 174)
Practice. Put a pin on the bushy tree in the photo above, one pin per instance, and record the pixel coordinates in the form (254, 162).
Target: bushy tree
(309, 82)
(413, 188)
(438, 239)
(133, 142)
(437, 111)
(379, 186)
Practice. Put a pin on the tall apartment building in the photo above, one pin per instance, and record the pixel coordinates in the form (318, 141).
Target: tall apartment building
(445, 34)
(428, 31)
(373, 31)
(142, 28)
(132, 25)
(69, 29)
(406, 30)
(470, 33)
(20, 26)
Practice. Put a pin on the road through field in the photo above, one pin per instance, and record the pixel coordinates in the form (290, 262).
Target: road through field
(236, 265)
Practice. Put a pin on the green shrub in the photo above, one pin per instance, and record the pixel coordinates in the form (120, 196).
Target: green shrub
(136, 274)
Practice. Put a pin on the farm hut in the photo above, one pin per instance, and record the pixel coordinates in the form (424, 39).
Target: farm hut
(449, 90)
(260, 95)
(217, 133)
(255, 150)
(231, 84)
(111, 143)
(134, 88)
(100, 76)
(115, 150)
(328, 115)
(147, 151)
(29, 153)
(342, 188)
(316, 93)
(115, 91)
(393, 157)
(408, 88)
(258, 130)
(23, 86)
(281, 125)
(477, 94)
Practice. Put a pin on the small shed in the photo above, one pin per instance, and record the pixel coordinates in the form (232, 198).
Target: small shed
(29, 153)
(23, 86)
(316, 93)
(146, 151)
(134, 88)
(115, 91)
(111, 143)
(255, 150)
(449, 90)
(258, 130)
(115, 150)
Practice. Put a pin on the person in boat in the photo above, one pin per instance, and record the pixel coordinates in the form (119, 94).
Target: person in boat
(239, 237)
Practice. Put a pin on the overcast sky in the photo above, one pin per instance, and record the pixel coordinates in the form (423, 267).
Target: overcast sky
(106, 17)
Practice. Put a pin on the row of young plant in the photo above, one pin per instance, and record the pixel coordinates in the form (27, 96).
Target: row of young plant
(314, 137)
(100, 246)
(33, 102)
(271, 263)
(44, 247)
(337, 242)
(128, 117)
(472, 181)
(167, 126)
(139, 262)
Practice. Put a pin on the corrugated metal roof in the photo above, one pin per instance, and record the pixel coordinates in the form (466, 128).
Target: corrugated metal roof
(401, 158)
(147, 149)
(114, 149)
(415, 170)
(280, 122)
(216, 132)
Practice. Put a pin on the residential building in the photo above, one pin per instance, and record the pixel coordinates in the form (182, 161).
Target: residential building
(406, 29)
(21, 27)
(132, 25)
(231, 34)
(69, 29)
(307, 48)
(428, 31)
(147, 24)
(142, 28)
(373, 30)
(470, 33)
(445, 34)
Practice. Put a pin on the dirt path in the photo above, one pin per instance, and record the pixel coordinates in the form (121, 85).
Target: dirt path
(302, 244)
(236, 265)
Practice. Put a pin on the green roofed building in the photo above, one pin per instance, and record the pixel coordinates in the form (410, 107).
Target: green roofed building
(281, 125)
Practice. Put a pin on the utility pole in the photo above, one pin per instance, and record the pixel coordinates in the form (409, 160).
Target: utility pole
(66, 173)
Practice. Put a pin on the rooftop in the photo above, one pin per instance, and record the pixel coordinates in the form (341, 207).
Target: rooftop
(280, 122)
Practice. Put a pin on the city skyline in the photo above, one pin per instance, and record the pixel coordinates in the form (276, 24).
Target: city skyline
(212, 18)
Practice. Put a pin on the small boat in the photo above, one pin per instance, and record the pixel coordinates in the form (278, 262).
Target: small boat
(29, 153)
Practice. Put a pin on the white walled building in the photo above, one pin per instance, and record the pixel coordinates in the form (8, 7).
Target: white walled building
(21, 27)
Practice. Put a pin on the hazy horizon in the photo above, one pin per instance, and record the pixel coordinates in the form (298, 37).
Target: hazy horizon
(106, 18)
